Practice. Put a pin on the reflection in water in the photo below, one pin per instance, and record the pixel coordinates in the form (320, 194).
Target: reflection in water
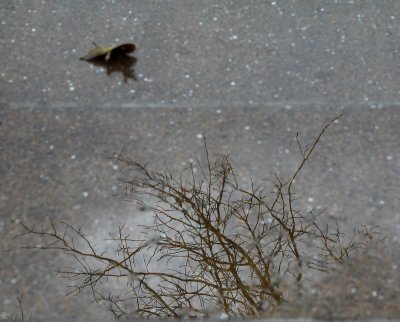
(118, 63)
(114, 59)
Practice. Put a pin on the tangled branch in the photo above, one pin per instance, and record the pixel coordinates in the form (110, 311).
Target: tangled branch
(213, 245)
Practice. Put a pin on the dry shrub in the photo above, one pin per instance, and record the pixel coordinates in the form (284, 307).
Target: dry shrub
(214, 246)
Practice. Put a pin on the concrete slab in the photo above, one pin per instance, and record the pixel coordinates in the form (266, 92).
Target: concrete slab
(193, 54)
(54, 167)
(248, 75)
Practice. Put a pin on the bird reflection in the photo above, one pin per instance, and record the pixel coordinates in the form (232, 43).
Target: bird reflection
(118, 63)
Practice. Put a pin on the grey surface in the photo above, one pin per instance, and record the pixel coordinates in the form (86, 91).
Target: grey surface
(250, 320)
(354, 176)
(247, 74)
(203, 53)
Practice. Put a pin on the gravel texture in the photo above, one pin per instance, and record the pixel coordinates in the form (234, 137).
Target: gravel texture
(247, 75)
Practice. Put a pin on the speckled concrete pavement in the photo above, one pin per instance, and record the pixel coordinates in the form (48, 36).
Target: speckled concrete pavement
(248, 75)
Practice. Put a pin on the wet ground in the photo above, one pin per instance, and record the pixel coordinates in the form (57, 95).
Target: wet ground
(248, 76)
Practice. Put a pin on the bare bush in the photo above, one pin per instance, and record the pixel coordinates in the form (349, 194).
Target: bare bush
(214, 246)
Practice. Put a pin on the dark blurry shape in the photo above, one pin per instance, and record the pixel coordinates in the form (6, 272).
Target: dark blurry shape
(119, 63)
(114, 59)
